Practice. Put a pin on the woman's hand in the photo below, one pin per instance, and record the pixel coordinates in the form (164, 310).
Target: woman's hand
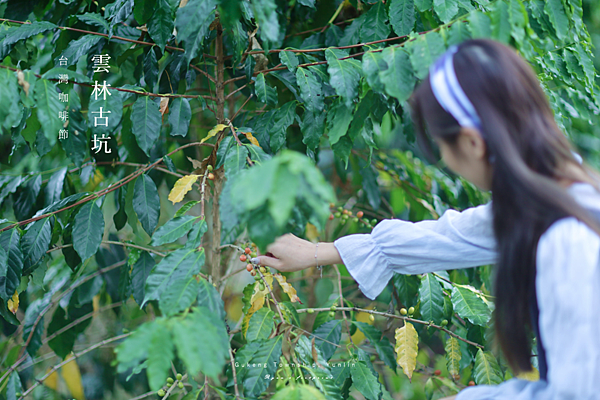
(290, 253)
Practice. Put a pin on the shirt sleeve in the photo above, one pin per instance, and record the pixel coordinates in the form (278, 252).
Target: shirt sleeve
(568, 293)
(455, 240)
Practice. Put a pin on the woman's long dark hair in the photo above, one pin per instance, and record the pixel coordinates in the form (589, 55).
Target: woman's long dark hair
(528, 151)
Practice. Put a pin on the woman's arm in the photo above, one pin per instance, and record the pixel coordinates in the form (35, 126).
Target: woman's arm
(568, 294)
(456, 240)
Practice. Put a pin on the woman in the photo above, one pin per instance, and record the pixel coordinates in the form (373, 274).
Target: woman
(485, 109)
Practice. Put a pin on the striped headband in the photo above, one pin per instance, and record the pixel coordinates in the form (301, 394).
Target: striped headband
(449, 93)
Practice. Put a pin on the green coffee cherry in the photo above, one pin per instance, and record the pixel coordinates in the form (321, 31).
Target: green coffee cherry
(169, 384)
(209, 167)
(261, 286)
(333, 308)
(161, 393)
(445, 322)
(310, 311)
(331, 314)
(373, 221)
(179, 377)
(403, 311)
(411, 310)
(169, 380)
(180, 385)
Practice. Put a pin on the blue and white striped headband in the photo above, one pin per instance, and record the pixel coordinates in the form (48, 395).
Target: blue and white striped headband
(449, 93)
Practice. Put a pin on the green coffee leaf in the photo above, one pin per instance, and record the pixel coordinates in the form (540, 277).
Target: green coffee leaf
(22, 32)
(398, 79)
(264, 92)
(209, 297)
(140, 272)
(146, 121)
(94, 19)
(265, 358)
(88, 230)
(160, 354)
(432, 300)
(298, 392)
(469, 306)
(310, 89)
(445, 9)
(289, 59)
(180, 115)
(160, 25)
(480, 25)
(501, 27)
(182, 288)
(32, 333)
(382, 345)
(424, 51)
(192, 23)
(326, 334)
(486, 370)
(338, 121)
(344, 74)
(54, 187)
(48, 107)
(261, 325)
(402, 16)
(182, 262)
(11, 265)
(78, 48)
(210, 354)
(364, 380)
(376, 25)
(146, 202)
(173, 230)
(555, 11)
(34, 244)
(265, 13)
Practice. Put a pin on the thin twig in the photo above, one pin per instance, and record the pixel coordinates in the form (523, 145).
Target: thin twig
(240, 109)
(235, 386)
(339, 276)
(270, 291)
(22, 357)
(103, 192)
(418, 321)
(75, 356)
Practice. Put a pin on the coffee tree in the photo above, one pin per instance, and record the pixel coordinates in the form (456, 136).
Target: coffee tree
(151, 148)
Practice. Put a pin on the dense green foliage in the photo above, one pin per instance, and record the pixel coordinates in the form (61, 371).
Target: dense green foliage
(267, 117)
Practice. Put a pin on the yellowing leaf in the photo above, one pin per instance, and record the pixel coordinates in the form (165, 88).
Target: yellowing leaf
(312, 233)
(181, 187)
(533, 375)
(22, 82)
(251, 138)
(407, 341)
(52, 380)
(13, 303)
(257, 300)
(453, 356)
(72, 376)
(214, 131)
(164, 105)
(287, 288)
(257, 304)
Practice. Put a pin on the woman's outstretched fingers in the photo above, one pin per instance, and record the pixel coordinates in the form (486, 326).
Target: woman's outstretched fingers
(267, 261)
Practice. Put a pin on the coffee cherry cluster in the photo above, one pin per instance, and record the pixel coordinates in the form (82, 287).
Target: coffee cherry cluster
(170, 382)
(410, 311)
(345, 215)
